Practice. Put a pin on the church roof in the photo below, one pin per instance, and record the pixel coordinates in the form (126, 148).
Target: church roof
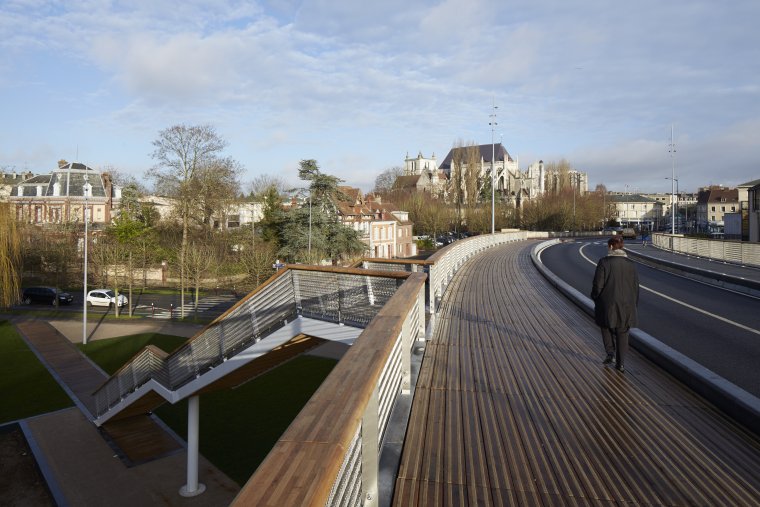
(498, 150)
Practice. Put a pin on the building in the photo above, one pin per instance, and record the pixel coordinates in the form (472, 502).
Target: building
(422, 175)
(686, 205)
(712, 204)
(386, 230)
(511, 183)
(9, 181)
(749, 206)
(59, 197)
(635, 210)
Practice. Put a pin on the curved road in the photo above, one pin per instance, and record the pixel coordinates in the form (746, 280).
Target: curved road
(718, 328)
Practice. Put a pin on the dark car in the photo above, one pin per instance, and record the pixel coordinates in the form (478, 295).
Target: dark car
(46, 295)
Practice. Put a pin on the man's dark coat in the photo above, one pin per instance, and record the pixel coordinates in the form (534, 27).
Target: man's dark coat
(615, 292)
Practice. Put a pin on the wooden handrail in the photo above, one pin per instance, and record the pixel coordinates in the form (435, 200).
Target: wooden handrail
(305, 461)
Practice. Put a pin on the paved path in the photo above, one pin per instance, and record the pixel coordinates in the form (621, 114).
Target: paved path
(513, 407)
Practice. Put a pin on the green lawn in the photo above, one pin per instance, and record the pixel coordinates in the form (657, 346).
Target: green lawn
(26, 387)
(238, 427)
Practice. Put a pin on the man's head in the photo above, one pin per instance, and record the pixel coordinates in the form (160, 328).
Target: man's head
(615, 242)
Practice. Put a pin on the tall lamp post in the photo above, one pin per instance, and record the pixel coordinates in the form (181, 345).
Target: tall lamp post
(674, 205)
(672, 150)
(86, 189)
(493, 124)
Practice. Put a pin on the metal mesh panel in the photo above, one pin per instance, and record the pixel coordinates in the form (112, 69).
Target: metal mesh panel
(387, 266)
(143, 367)
(346, 490)
(270, 308)
(339, 297)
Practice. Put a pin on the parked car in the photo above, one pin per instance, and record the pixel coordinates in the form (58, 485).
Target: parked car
(629, 233)
(45, 295)
(105, 297)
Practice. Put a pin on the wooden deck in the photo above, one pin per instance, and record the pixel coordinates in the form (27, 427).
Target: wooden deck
(514, 407)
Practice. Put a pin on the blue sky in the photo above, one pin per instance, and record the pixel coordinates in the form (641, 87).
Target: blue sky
(358, 85)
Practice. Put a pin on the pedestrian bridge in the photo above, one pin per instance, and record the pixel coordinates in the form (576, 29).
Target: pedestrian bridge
(511, 405)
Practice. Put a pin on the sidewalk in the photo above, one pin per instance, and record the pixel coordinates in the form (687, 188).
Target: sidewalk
(72, 329)
(744, 279)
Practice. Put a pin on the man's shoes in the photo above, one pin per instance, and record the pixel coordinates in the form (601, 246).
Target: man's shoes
(620, 368)
(608, 359)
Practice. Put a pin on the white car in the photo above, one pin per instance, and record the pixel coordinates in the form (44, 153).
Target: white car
(105, 297)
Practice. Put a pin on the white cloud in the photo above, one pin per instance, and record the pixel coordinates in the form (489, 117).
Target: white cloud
(595, 83)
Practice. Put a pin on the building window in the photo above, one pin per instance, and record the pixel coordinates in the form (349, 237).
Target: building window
(713, 208)
(723, 209)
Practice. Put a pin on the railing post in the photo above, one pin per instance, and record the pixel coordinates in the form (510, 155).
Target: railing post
(193, 487)
(370, 454)
(406, 355)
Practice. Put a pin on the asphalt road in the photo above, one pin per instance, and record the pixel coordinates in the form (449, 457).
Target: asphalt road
(718, 328)
(155, 305)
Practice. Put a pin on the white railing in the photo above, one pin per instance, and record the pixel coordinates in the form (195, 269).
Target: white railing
(738, 252)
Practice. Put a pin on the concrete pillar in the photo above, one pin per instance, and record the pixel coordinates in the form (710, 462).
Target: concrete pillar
(193, 487)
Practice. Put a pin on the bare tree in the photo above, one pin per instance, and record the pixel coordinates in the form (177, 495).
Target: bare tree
(385, 180)
(181, 151)
(214, 188)
(259, 186)
(199, 262)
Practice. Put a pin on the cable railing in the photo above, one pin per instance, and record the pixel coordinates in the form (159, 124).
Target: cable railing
(343, 296)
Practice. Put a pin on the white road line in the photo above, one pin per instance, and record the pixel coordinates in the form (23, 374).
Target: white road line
(691, 307)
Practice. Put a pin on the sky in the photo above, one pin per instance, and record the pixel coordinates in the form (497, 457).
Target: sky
(359, 85)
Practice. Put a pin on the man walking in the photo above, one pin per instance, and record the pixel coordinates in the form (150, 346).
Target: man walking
(615, 292)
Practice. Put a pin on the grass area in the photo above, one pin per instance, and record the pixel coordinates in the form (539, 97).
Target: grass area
(238, 427)
(26, 387)
(111, 354)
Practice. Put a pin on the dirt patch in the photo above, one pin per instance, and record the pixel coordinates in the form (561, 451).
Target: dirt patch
(21, 482)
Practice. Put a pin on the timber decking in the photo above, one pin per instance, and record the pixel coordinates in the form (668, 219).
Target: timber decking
(513, 407)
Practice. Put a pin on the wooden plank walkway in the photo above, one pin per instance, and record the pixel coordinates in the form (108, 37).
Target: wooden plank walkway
(514, 407)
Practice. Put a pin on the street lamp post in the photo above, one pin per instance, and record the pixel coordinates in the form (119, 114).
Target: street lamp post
(86, 188)
(672, 150)
(493, 124)
(674, 204)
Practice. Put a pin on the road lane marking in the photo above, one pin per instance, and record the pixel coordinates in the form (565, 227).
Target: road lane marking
(665, 296)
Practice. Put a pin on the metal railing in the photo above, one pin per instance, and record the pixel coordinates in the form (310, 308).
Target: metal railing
(343, 296)
(338, 464)
(332, 448)
(738, 252)
(447, 261)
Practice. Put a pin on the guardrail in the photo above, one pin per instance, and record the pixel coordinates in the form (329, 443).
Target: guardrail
(447, 261)
(330, 453)
(443, 264)
(340, 295)
(738, 252)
